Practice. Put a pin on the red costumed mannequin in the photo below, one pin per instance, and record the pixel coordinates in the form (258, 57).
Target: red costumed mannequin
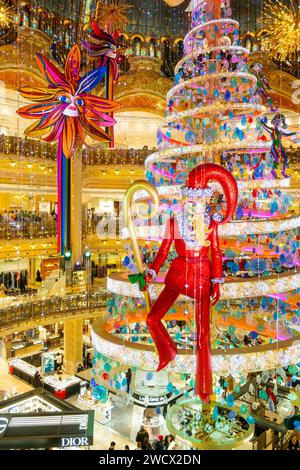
(192, 273)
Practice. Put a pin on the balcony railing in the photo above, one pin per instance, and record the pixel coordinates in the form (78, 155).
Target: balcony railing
(28, 148)
(32, 310)
(10, 230)
(116, 156)
(32, 149)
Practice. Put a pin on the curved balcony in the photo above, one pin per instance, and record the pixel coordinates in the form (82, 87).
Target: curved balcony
(10, 230)
(17, 146)
(104, 156)
(31, 149)
(39, 311)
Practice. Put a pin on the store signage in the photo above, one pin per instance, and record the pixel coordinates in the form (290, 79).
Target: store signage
(3, 425)
(150, 400)
(48, 362)
(74, 441)
(47, 430)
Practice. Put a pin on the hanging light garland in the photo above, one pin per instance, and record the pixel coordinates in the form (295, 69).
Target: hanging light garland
(281, 23)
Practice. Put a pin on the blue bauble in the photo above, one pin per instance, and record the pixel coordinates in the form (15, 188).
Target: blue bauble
(100, 393)
(126, 261)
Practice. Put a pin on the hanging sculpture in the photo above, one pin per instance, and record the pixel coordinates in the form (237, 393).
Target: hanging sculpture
(278, 152)
(66, 112)
(195, 234)
(263, 85)
(102, 48)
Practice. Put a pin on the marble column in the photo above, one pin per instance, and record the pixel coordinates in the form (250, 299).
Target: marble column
(6, 347)
(73, 342)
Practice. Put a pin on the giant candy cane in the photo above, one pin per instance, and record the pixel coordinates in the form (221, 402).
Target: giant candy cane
(139, 185)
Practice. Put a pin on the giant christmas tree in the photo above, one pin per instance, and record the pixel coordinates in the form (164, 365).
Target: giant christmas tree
(215, 114)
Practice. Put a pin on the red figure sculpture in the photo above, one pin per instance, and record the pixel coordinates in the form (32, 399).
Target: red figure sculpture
(192, 273)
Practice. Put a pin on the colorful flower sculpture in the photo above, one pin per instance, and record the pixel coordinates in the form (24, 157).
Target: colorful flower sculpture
(67, 112)
(102, 48)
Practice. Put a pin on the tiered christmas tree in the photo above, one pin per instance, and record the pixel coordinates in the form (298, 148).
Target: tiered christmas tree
(214, 114)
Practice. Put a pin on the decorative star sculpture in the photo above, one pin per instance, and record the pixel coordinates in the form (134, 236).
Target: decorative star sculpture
(66, 111)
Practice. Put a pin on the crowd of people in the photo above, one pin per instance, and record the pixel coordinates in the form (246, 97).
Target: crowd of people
(20, 215)
(226, 340)
(143, 442)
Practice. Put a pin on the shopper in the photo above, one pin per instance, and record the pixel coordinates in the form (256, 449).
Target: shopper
(172, 443)
(142, 435)
(158, 443)
(271, 395)
(146, 444)
(37, 379)
(126, 447)
(22, 284)
(128, 379)
(80, 368)
(138, 446)
(112, 446)
(59, 372)
(58, 360)
(293, 443)
(89, 363)
(275, 436)
(38, 276)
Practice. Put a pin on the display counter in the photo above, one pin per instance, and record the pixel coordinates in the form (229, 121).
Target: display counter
(23, 371)
(152, 422)
(151, 391)
(54, 341)
(20, 348)
(102, 410)
(62, 388)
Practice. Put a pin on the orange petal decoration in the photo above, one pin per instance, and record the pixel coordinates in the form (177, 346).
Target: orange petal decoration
(67, 90)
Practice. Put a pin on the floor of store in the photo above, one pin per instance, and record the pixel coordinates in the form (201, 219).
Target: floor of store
(103, 434)
(125, 420)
